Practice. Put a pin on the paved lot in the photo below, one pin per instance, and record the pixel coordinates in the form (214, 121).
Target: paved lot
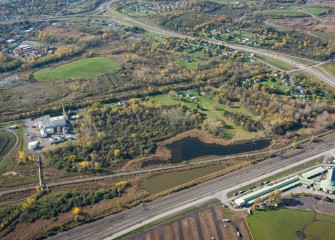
(32, 134)
(302, 203)
(326, 208)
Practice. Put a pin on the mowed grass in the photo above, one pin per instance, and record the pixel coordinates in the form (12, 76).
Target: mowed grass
(320, 231)
(315, 11)
(278, 224)
(80, 69)
(213, 111)
(284, 11)
(7, 141)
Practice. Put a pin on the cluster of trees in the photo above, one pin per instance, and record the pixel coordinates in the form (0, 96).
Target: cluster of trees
(7, 64)
(112, 135)
(246, 122)
(46, 206)
(51, 205)
(279, 115)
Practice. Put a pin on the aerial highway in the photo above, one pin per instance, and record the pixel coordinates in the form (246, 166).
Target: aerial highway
(115, 223)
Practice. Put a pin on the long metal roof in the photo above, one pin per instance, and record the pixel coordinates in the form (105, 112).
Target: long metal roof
(313, 172)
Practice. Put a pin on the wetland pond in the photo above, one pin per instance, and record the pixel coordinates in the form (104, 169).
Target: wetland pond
(191, 147)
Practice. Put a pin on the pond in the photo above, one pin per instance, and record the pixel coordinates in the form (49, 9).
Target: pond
(190, 147)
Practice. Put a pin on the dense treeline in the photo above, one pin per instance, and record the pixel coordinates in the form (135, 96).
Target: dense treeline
(46, 206)
(244, 121)
(7, 64)
(112, 135)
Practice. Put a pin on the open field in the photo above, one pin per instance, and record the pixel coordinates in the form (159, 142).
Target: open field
(329, 67)
(213, 111)
(290, 224)
(80, 69)
(315, 11)
(7, 141)
(284, 11)
(200, 224)
(320, 231)
(165, 181)
(278, 224)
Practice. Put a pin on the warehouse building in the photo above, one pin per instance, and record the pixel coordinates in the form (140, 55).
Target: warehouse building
(307, 180)
(265, 191)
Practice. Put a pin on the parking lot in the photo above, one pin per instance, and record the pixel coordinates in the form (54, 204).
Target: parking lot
(33, 134)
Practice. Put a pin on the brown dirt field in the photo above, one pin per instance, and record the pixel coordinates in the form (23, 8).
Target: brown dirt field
(154, 235)
(218, 212)
(190, 228)
(244, 230)
(171, 231)
(62, 32)
(208, 228)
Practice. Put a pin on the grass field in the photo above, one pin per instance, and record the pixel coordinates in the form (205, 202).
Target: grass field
(284, 223)
(320, 231)
(7, 141)
(284, 11)
(329, 67)
(278, 224)
(315, 11)
(80, 69)
(213, 111)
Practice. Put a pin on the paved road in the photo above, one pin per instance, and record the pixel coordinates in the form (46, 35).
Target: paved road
(118, 17)
(112, 224)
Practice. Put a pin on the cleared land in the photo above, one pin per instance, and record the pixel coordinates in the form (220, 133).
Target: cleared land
(80, 69)
(7, 141)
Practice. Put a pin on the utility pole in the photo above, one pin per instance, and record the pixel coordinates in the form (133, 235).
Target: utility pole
(40, 173)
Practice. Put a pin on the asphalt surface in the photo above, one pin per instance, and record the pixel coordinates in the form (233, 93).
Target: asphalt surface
(112, 224)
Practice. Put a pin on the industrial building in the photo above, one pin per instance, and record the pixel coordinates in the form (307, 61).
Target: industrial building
(307, 180)
(265, 191)
(46, 125)
(328, 185)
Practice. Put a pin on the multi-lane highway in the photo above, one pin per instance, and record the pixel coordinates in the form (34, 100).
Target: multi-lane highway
(112, 224)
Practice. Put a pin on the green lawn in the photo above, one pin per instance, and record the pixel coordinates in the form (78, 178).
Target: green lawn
(284, 11)
(315, 11)
(213, 111)
(320, 231)
(279, 224)
(80, 69)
